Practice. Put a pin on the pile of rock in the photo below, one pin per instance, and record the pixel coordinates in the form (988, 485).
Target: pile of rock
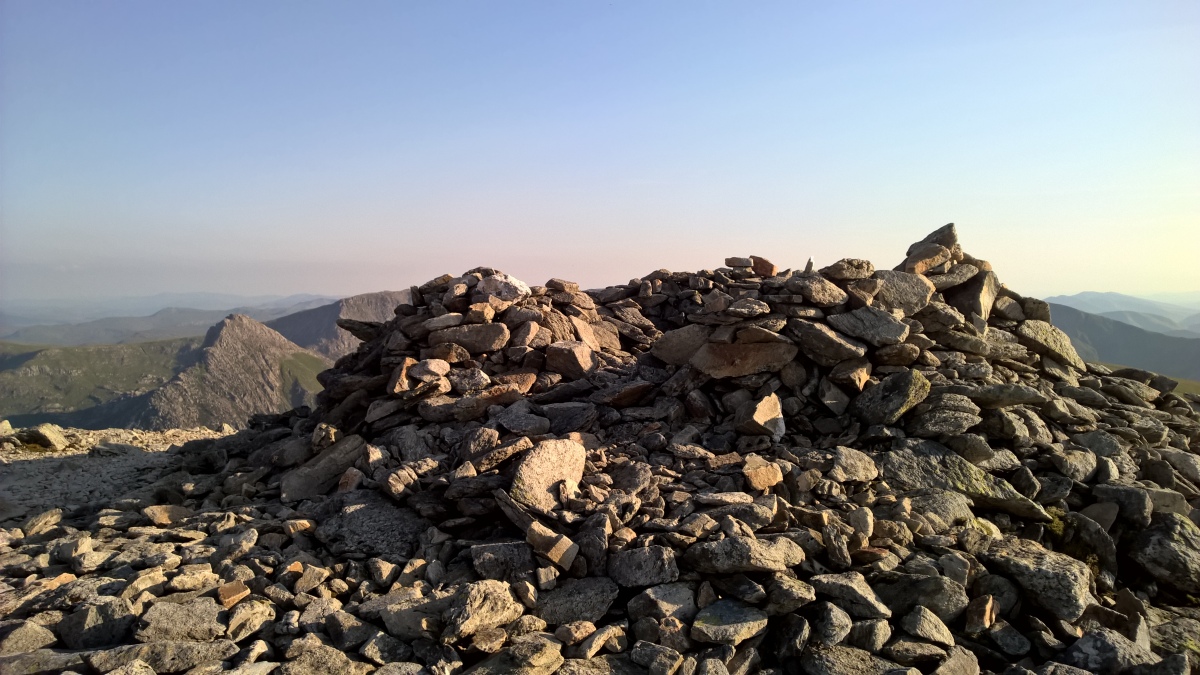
(740, 470)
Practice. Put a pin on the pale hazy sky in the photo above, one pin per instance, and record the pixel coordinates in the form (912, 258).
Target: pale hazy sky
(338, 147)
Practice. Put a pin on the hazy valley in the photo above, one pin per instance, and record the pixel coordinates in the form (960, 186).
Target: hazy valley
(219, 372)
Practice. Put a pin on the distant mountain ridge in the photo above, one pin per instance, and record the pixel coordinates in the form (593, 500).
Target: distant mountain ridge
(57, 311)
(1099, 338)
(1094, 302)
(316, 329)
(165, 324)
(241, 368)
(1153, 323)
(309, 322)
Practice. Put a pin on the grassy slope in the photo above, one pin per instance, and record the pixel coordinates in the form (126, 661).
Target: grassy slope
(1189, 387)
(299, 373)
(60, 379)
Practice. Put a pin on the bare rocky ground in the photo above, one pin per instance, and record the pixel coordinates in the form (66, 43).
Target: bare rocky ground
(74, 468)
(740, 470)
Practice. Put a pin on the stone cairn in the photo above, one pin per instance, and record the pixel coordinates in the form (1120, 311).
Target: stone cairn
(741, 470)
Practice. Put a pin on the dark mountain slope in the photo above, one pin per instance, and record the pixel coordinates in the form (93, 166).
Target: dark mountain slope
(316, 329)
(1101, 339)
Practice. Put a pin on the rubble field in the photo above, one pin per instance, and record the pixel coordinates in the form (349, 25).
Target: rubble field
(845, 470)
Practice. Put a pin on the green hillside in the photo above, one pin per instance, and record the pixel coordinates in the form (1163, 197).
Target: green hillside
(41, 380)
(238, 369)
(299, 372)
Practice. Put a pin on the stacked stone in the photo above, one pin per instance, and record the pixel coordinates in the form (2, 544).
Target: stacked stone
(740, 470)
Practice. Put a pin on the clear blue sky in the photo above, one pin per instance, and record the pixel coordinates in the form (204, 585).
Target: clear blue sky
(337, 147)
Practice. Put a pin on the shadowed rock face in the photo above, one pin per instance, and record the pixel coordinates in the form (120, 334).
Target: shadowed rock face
(845, 471)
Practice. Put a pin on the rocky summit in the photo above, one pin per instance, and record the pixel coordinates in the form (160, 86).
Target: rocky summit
(741, 470)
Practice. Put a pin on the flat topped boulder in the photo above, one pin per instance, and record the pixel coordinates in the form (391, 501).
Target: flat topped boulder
(1043, 338)
(999, 395)
(817, 290)
(586, 599)
(841, 660)
(476, 338)
(743, 554)
(678, 346)
(904, 291)
(853, 594)
(735, 360)
(871, 324)
(926, 256)
(824, 345)
(728, 622)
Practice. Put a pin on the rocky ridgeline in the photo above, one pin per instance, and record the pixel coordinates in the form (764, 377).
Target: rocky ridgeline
(739, 470)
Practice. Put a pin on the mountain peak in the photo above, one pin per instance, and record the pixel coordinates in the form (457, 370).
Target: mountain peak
(244, 368)
(239, 327)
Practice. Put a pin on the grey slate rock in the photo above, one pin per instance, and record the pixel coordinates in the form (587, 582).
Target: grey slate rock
(586, 599)
(743, 554)
(903, 291)
(1170, 551)
(676, 600)
(728, 622)
(852, 593)
(195, 621)
(902, 592)
(887, 401)
(872, 325)
(102, 622)
(1057, 582)
(840, 660)
(1107, 652)
(912, 465)
(648, 566)
(164, 657)
(26, 637)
